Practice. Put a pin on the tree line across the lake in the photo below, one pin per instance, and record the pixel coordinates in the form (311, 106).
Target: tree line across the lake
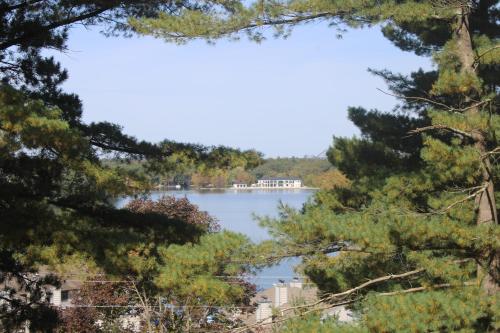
(404, 232)
(313, 171)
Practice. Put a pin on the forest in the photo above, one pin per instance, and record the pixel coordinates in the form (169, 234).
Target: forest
(403, 232)
(311, 170)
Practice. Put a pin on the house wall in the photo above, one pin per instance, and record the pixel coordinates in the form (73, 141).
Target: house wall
(296, 284)
(280, 294)
(55, 298)
(264, 312)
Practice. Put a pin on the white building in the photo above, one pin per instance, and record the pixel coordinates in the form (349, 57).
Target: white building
(239, 185)
(59, 297)
(283, 295)
(280, 294)
(62, 297)
(264, 312)
(279, 182)
(279, 297)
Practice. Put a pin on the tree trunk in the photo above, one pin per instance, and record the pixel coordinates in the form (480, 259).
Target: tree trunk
(487, 212)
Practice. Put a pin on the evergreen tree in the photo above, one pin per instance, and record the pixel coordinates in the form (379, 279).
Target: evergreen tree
(414, 234)
(56, 196)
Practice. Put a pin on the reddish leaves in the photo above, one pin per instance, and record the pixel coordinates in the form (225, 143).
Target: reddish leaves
(177, 209)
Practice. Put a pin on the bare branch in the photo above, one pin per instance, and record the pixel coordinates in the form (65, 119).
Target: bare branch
(375, 281)
(478, 58)
(329, 306)
(441, 127)
(491, 152)
(145, 306)
(430, 101)
(480, 190)
(417, 289)
(281, 320)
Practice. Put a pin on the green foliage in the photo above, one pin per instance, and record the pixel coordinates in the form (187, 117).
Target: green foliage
(56, 211)
(420, 204)
(56, 194)
(414, 226)
(316, 324)
(196, 272)
(241, 166)
(231, 17)
(464, 311)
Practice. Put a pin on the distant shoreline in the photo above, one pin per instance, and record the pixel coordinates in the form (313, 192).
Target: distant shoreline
(243, 189)
(258, 188)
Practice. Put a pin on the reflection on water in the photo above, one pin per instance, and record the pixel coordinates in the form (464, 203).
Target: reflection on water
(235, 210)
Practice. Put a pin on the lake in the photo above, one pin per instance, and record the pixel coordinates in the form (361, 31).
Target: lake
(235, 210)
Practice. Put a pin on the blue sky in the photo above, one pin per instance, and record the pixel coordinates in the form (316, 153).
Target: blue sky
(282, 97)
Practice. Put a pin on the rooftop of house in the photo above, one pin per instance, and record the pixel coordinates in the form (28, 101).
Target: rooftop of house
(73, 283)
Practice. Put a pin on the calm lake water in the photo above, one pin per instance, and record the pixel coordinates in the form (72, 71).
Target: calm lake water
(235, 210)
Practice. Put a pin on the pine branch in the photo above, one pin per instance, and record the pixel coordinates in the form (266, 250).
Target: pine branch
(442, 127)
(358, 288)
(54, 25)
(259, 22)
(121, 149)
(434, 102)
(375, 281)
(418, 98)
(263, 323)
(329, 306)
(481, 189)
(417, 289)
(491, 152)
(478, 58)
(277, 22)
(309, 248)
(351, 291)
(20, 5)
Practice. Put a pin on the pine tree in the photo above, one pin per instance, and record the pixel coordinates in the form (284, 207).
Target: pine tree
(56, 195)
(411, 243)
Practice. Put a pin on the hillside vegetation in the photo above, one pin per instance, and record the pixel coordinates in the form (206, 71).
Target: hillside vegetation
(311, 170)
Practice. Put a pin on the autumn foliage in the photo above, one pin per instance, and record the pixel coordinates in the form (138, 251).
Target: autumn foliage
(97, 307)
(175, 209)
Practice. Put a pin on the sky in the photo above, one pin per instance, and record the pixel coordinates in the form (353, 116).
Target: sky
(282, 97)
